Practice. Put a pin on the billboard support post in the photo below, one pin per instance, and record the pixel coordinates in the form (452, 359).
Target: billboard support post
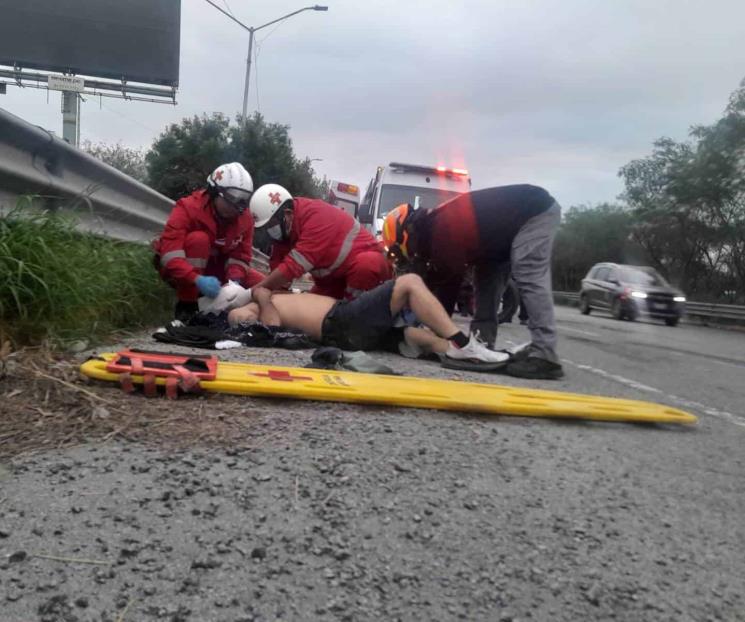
(136, 43)
(71, 117)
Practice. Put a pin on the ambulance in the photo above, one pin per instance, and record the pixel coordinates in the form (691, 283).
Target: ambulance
(421, 186)
(345, 196)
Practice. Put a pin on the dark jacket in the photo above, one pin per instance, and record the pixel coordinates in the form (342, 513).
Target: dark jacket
(473, 228)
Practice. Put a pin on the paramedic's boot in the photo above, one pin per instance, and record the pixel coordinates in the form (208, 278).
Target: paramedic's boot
(185, 310)
(535, 368)
(475, 351)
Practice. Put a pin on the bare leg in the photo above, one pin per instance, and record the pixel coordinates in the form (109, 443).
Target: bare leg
(410, 291)
(426, 340)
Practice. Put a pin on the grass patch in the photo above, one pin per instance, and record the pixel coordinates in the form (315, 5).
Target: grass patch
(57, 284)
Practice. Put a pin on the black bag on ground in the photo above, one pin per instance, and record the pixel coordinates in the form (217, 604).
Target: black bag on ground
(328, 357)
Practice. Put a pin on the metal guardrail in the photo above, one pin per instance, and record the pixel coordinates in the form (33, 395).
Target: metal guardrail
(106, 201)
(705, 311)
(568, 296)
(733, 313)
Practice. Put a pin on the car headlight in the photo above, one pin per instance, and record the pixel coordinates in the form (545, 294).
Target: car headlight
(638, 294)
(679, 298)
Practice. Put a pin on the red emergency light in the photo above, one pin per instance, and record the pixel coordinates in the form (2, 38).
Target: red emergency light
(348, 188)
(440, 170)
(452, 171)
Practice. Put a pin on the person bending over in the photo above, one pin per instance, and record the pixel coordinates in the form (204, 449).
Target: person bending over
(369, 322)
(497, 231)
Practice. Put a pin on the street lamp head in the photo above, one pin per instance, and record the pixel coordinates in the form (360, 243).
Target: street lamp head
(251, 31)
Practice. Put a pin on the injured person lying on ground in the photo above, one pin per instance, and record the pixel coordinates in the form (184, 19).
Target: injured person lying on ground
(378, 319)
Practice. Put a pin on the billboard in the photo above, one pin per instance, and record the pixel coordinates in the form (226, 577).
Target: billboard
(137, 40)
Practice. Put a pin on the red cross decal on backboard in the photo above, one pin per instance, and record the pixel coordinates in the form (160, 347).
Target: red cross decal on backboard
(218, 175)
(281, 375)
(275, 198)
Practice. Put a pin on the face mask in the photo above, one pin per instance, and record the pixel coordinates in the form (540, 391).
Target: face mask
(275, 232)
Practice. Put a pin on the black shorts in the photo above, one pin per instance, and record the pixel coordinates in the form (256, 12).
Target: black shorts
(362, 323)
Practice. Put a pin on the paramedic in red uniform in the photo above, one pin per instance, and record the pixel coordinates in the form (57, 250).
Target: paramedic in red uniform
(310, 235)
(496, 230)
(207, 239)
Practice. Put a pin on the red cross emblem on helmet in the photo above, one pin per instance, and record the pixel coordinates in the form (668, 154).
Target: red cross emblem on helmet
(275, 199)
(218, 175)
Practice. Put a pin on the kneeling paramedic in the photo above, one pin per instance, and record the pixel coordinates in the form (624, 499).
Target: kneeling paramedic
(310, 235)
(496, 230)
(208, 238)
(370, 321)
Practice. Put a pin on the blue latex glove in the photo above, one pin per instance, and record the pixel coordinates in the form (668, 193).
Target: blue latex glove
(208, 285)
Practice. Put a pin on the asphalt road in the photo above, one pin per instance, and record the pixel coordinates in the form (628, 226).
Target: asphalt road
(694, 367)
(344, 512)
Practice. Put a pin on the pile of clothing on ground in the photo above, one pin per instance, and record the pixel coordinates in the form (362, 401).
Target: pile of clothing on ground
(210, 329)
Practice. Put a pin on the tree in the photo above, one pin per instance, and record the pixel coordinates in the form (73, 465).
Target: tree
(588, 235)
(129, 161)
(668, 227)
(718, 181)
(689, 202)
(185, 154)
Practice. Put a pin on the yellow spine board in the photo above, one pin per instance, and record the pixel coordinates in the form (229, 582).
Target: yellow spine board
(341, 386)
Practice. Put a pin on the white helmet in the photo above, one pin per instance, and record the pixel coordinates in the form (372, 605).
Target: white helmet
(233, 182)
(266, 201)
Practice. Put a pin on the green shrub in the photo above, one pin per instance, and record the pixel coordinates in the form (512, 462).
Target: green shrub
(57, 284)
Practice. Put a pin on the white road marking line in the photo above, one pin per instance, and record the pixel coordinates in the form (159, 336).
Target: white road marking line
(577, 330)
(676, 353)
(714, 412)
(725, 363)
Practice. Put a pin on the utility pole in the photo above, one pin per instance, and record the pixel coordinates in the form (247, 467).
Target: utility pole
(251, 30)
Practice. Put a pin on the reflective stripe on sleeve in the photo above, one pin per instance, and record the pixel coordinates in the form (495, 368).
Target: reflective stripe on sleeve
(344, 251)
(197, 262)
(301, 259)
(237, 262)
(165, 258)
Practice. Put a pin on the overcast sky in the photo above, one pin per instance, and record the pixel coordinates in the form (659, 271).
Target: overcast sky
(556, 93)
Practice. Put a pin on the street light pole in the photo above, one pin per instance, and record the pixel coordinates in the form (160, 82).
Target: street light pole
(248, 72)
(251, 31)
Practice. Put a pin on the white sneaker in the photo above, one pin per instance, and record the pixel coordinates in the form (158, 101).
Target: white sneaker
(475, 350)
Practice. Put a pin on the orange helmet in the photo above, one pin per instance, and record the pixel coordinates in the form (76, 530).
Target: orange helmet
(395, 235)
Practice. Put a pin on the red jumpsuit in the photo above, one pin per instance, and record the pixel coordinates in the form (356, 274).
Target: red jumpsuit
(343, 258)
(195, 241)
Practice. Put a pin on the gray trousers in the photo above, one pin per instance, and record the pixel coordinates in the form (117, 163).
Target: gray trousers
(530, 264)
